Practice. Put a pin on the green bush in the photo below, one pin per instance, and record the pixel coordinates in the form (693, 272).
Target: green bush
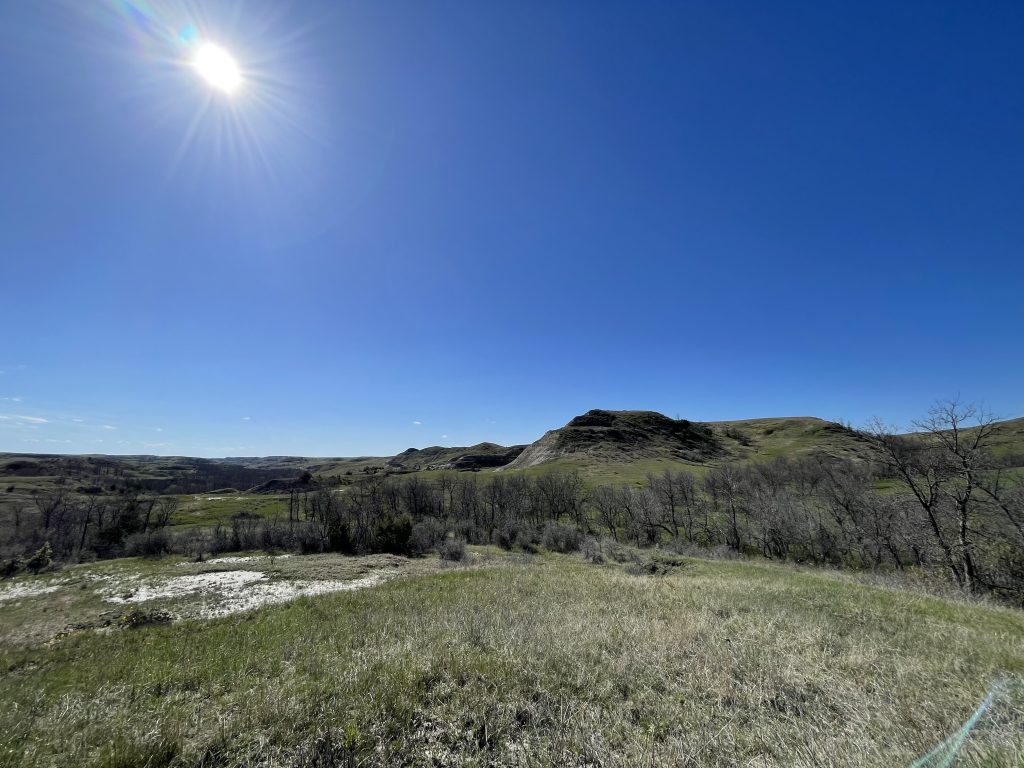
(392, 535)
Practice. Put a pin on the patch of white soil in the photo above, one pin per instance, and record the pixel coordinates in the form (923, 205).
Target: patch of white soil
(207, 595)
(236, 560)
(19, 591)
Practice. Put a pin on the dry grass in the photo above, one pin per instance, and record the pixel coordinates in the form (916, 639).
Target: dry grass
(534, 661)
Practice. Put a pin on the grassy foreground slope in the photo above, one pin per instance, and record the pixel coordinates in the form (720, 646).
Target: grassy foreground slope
(544, 660)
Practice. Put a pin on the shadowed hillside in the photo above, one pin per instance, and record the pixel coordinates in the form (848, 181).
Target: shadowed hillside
(482, 456)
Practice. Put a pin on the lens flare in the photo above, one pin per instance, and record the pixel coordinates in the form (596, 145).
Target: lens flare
(218, 67)
(228, 90)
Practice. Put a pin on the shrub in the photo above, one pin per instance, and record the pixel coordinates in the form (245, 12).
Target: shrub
(245, 531)
(453, 550)
(139, 617)
(514, 534)
(619, 553)
(150, 544)
(392, 535)
(561, 538)
(307, 538)
(426, 536)
(473, 534)
(193, 543)
(656, 564)
(41, 559)
(592, 551)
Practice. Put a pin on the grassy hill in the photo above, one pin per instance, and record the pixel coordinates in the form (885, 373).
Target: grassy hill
(789, 436)
(1008, 441)
(517, 660)
(621, 436)
(623, 446)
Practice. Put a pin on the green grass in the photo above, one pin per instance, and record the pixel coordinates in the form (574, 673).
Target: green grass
(613, 473)
(209, 508)
(593, 473)
(532, 661)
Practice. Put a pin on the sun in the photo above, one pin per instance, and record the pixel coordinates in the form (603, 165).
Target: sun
(218, 67)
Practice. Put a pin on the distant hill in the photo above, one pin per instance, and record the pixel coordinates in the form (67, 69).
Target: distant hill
(482, 456)
(622, 436)
(789, 436)
(1008, 441)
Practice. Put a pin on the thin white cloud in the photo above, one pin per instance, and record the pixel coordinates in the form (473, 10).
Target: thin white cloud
(107, 426)
(78, 421)
(51, 440)
(159, 429)
(418, 423)
(25, 419)
(444, 437)
(247, 418)
(12, 399)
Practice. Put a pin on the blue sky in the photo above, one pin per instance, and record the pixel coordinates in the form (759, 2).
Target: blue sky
(440, 223)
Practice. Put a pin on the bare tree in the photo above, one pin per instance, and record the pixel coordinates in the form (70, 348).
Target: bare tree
(963, 433)
(607, 508)
(923, 472)
(50, 504)
(166, 506)
(724, 486)
(943, 467)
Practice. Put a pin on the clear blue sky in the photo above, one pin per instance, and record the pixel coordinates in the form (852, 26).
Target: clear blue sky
(425, 223)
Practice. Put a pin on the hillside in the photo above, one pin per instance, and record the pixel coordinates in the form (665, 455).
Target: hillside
(1008, 441)
(481, 456)
(788, 436)
(622, 436)
(159, 474)
(624, 445)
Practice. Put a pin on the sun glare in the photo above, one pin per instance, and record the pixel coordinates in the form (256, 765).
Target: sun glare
(218, 67)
